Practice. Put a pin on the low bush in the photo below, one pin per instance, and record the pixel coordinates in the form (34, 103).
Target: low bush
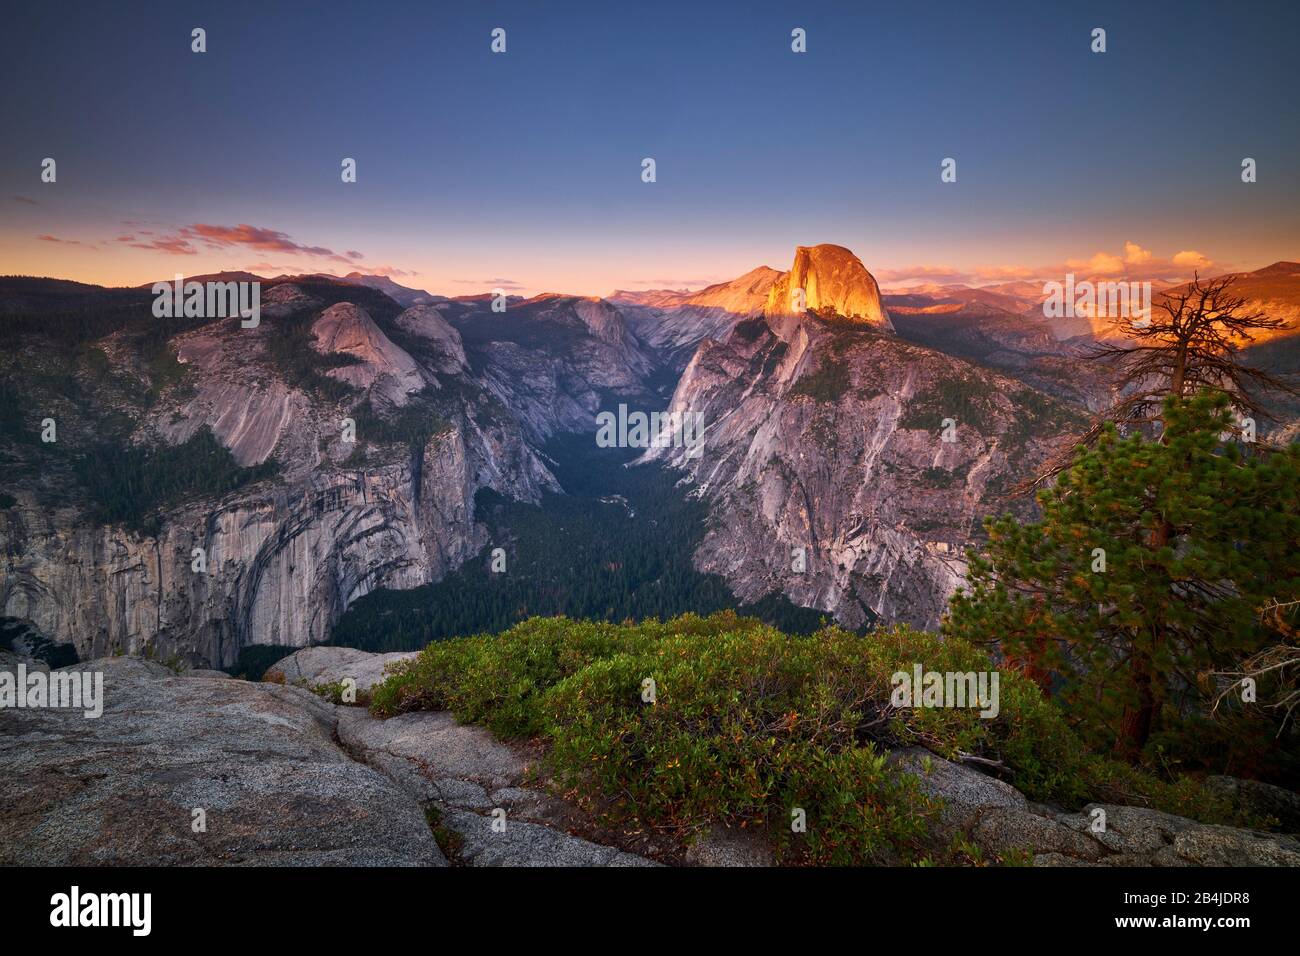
(682, 724)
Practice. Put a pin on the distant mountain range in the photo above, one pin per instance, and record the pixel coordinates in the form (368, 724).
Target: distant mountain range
(825, 406)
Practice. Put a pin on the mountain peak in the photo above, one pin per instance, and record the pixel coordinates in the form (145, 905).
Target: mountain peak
(1282, 267)
(400, 294)
(831, 277)
(347, 329)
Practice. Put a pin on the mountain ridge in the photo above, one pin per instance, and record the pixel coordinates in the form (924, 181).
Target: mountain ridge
(822, 431)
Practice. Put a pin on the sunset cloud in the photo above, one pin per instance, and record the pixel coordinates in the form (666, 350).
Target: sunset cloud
(1135, 263)
(1135, 255)
(264, 240)
(191, 240)
(1101, 263)
(201, 237)
(66, 242)
(1191, 259)
(176, 245)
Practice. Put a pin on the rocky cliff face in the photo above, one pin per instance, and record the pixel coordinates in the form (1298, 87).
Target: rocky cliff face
(825, 432)
(446, 351)
(281, 563)
(554, 361)
(1021, 344)
(374, 362)
(876, 457)
(277, 561)
(674, 323)
(823, 278)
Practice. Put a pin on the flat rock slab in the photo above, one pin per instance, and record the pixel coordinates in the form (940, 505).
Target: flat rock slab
(434, 747)
(470, 775)
(329, 665)
(997, 818)
(259, 759)
(1144, 837)
(519, 843)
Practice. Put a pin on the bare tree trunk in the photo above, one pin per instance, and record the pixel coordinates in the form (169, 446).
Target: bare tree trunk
(1031, 666)
(1179, 375)
(1135, 724)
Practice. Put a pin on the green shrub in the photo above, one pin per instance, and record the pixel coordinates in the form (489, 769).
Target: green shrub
(748, 723)
(1028, 735)
(498, 680)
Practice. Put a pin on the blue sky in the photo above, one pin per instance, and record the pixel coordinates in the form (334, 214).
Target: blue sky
(475, 168)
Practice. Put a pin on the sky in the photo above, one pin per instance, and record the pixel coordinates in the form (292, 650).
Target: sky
(523, 170)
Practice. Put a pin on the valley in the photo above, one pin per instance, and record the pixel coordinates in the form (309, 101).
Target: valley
(341, 472)
(612, 544)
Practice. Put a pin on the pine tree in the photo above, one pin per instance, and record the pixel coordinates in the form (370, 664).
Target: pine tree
(1146, 574)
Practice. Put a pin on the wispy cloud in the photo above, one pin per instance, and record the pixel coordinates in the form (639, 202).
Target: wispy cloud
(195, 238)
(504, 284)
(390, 271)
(175, 245)
(265, 240)
(66, 242)
(674, 284)
(199, 237)
(923, 273)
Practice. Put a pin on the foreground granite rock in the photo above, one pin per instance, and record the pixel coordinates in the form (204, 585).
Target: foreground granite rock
(312, 666)
(259, 759)
(519, 843)
(282, 777)
(1262, 798)
(479, 787)
(286, 778)
(997, 818)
